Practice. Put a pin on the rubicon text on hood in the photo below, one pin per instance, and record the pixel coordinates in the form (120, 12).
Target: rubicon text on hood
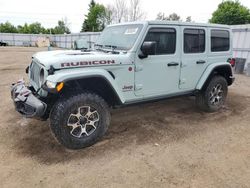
(85, 63)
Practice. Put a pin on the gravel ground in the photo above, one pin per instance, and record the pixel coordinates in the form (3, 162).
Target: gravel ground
(163, 144)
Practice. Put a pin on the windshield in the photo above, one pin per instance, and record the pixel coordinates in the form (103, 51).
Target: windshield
(120, 37)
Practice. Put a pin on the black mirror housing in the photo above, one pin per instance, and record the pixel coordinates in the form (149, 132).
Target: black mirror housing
(148, 48)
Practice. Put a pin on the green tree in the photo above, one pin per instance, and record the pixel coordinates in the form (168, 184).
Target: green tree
(36, 28)
(231, 13)
(97, 18)
(7, 27)
(23, 29)
(61, 28)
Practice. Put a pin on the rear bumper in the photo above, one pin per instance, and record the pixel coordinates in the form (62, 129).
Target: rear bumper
(232, 78)
(25, 102)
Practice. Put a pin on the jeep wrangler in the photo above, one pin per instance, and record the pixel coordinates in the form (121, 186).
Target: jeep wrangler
(131, 63)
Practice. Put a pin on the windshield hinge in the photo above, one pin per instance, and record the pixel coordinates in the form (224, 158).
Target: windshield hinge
(138, 68)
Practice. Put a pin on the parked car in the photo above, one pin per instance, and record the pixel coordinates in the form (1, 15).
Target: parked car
(3, 43)
(82, 44)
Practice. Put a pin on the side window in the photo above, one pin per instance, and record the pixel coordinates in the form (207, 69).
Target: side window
(165, 39)
(219, 40)
(194, 40)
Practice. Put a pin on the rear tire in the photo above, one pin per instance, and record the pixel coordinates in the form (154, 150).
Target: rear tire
(79, 121)
(213, 96)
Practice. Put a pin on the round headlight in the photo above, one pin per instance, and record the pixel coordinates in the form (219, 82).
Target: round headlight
(41, 77)
(50, 85)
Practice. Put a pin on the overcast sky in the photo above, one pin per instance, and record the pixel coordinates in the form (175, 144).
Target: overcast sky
(48, 12)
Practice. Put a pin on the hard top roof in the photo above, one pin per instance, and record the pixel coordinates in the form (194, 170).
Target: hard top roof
(159, 22)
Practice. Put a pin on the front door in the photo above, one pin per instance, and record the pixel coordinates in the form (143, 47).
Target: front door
(158, 74)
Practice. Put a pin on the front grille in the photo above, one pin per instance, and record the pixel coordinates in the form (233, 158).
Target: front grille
(35, 73)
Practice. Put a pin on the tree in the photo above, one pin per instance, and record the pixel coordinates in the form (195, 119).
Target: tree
(174, 17)
(119, 11)
(171, 17)
(123, 12)
(85, 25)
(7, 27)
(61, 28)
(231, 13)
(97, 17)
(23, 29)
(36, 28)
(188, 19)
(135, 11)
(109, 15)
(161, 16)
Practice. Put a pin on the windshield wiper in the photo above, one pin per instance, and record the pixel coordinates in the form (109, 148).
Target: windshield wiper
(112, 48)
(100, 46)
(83, 49)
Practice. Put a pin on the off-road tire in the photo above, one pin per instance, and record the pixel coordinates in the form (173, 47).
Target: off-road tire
(63, 109)
(203, 96)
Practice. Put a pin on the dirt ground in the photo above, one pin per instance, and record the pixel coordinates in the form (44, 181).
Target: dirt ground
(164, 144)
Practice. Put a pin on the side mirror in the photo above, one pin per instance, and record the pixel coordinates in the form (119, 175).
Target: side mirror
(148, 48)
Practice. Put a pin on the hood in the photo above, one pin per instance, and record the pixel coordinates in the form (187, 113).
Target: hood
(61, 59)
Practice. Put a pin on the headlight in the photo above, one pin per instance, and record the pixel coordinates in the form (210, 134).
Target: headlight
(50, 85)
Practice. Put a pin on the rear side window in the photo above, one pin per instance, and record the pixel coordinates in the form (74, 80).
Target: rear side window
(219, 40)
(194, 40)
(165, 39)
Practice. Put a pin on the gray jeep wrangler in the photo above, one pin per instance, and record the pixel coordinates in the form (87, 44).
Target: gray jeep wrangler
(131, 63)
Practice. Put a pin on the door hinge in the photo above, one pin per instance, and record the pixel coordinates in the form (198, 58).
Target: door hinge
(182, 81)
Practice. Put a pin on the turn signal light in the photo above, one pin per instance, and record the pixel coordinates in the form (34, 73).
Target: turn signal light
(59, 86)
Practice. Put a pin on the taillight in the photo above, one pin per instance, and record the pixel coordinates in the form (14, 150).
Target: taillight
(231, 61)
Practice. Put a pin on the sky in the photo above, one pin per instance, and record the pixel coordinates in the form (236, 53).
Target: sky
(48, 12)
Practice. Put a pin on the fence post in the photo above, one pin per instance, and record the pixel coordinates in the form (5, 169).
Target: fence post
(14, 39)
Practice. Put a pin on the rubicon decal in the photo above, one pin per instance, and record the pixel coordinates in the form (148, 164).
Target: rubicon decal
(86, 63)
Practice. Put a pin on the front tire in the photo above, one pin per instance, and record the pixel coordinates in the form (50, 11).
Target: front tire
(79, 121)
(213, 96)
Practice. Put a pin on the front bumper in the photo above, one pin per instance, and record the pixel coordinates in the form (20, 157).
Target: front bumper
(26, 103)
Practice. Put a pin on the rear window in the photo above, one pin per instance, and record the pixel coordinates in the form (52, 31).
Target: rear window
(219, 40)
(194, 40)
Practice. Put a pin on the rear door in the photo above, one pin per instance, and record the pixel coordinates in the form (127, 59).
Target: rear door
(194, 56)
(159, 74)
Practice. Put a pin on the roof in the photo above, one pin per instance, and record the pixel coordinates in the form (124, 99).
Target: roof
(159, 22)
(156, 22)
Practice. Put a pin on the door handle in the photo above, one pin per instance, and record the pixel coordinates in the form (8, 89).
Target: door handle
(200, 62)
(173, 64)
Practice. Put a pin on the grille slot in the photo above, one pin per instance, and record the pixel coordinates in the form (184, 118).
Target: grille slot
(35, 73)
